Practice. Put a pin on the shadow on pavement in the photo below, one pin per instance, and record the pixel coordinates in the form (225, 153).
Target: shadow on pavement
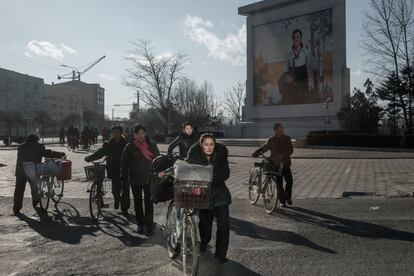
(245, 228)
(346, 226)
(120, 228)
(208, 265)
(58, 229)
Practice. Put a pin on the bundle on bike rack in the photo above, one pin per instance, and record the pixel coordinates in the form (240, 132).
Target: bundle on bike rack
(95, 172)
(65, 170)
(192, 187)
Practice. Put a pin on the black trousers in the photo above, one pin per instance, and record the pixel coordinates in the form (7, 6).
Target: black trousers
(285, 193)
(125, 196)
(21, 181)
(223, 228)
(143, 218)
(116, 188)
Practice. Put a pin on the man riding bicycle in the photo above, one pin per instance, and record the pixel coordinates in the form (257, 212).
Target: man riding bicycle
(281, 148)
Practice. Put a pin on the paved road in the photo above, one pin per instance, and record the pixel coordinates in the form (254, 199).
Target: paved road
(317, 237)
(317, 173)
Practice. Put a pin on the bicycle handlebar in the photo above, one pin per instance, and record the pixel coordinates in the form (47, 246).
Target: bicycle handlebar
(99, 162)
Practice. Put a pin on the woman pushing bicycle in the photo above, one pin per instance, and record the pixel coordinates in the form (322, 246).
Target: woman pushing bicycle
(208, 152)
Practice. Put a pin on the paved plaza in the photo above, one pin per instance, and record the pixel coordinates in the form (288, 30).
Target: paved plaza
(317, 173)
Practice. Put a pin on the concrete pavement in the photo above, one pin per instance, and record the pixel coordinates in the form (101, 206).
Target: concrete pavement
(317, 173)
(370, 236)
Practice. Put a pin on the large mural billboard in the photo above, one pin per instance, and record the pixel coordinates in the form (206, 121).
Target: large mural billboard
(293, 60)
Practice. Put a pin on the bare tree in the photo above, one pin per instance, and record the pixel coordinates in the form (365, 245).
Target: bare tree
(234, 100)
(404, 17)
(196, 103)
(387, 39)
(155, 76)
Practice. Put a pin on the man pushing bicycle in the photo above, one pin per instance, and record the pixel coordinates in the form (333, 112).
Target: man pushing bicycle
(280, 146)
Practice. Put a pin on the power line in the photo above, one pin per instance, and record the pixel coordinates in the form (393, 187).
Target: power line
(30, 61)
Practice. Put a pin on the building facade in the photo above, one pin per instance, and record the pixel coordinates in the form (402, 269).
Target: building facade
(20, 93)
(20, 101)
(75, 97)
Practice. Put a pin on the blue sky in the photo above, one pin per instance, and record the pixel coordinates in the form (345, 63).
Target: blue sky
(38, 36)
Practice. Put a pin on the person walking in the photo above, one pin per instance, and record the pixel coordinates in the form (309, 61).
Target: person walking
(184, 140)
(209, 152)
(31, 151)
(135, 172)
(112, 149)
(62, 134)
(281, 148)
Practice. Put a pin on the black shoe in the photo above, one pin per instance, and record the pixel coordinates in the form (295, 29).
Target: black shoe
(116, 204)
(149, 232)
(141, 230)
(222, 259)
(289, 201)
(203, 247)
(16, 212)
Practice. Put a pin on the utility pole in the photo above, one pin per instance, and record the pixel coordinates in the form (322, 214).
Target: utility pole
(326, 103)
(137, 100)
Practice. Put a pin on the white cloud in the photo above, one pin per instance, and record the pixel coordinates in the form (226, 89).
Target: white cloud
(106, 77)
(47, 49)
(44, 48)
(68, 49)
(230, 49)
(27, 54)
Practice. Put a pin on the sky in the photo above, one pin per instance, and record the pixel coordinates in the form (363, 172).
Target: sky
(38, 36)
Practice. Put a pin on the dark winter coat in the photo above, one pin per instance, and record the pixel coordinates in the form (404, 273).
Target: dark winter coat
(32, 151)
(113, 151)
(135, 168)
(220, 194)
(184, 143)
(279, 146)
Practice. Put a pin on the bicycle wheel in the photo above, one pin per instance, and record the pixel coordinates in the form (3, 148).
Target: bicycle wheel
(44, 193)
(95, 202)
(254, 187)
(58, 190)
(173, 245)
(190, 247)
(270, 195)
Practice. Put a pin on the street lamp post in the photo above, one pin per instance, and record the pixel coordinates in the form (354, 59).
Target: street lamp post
(326, 103)
(118, 105)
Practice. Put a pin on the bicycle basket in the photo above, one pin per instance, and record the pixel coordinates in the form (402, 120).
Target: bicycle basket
(192, 194)
(95, 172)
(270, 167)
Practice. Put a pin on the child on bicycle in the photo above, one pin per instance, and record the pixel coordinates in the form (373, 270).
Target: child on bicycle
(281, 148)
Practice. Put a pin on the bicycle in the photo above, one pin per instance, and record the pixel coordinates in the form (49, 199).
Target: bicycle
(97, 190)
(181, 225)
(266, 187)
(52, 187)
